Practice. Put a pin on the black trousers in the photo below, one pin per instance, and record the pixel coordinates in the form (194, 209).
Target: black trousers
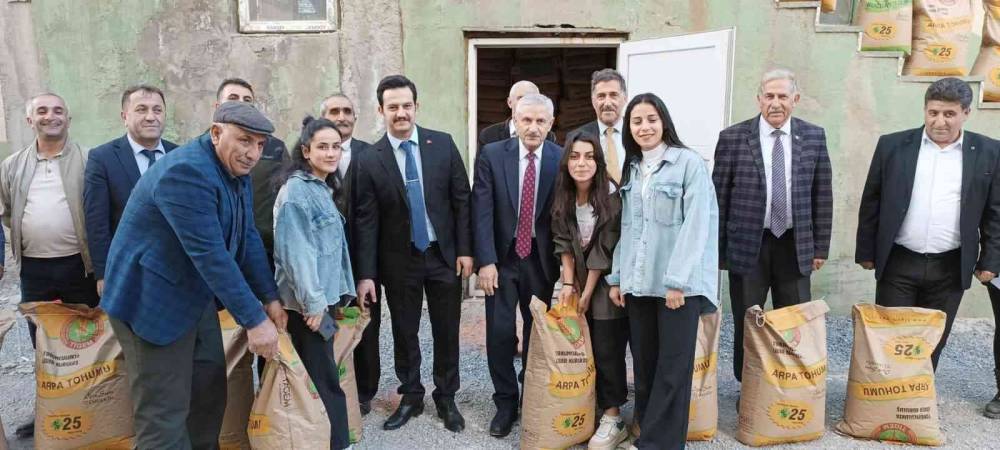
(367, 361)
(609, 340)
(777, 271)
(519, 280)
(663, 345)
(924, 280)
(321, 365)
(178, 390)
(405, 297)
(995, 301)
(64, 278)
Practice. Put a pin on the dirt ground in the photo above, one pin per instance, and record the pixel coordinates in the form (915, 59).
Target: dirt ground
(964, 381)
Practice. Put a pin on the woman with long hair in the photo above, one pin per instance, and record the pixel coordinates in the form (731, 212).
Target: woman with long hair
(585, 228)
(312, 266)
(665, 269)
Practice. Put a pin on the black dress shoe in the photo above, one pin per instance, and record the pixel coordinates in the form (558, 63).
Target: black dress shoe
(448, 412)
(25, 431)
(403, 414)
(502, 422)
(366, 407)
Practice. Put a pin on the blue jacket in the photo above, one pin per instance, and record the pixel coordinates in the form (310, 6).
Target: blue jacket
(312, 266)
(186, 238)
(495, 200)
(110, 175)
(669, 237)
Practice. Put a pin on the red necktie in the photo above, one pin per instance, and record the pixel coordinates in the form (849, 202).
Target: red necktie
(522, 242)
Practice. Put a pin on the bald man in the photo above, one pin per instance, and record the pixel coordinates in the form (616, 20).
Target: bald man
(505, 130)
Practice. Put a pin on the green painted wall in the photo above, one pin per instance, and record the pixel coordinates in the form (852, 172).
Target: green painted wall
(855, 98)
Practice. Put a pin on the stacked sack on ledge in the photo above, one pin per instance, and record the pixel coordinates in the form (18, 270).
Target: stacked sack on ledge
(988, 63)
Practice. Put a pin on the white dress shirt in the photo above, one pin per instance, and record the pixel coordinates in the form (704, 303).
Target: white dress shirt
(511, 128)
(522, 167)
(401, 162)
(766, 150)
(141, 160)
(931, 224)
(345, 157)
(618, 141)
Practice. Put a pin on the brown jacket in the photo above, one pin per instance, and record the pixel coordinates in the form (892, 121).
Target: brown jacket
(596, 256)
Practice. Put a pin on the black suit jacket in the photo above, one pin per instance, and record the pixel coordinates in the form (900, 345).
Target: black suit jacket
(886, 199)
(358, 147)
(496, 197)
(591, 128)
(109, 177)
(382, 212)
(500, 132)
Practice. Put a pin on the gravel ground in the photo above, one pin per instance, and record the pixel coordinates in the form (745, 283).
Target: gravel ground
(965, 382)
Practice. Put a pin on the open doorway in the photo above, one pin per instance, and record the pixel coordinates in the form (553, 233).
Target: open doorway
(562, 74)
(560, 61)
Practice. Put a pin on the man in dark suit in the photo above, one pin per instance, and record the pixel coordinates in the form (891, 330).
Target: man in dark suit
(265, 189)
(185, 243)
(512, 197)
(367, 364)
(608, 97)
(773, 180)
(114, 167)
(502, 131)
(412, 234)
(930, 212)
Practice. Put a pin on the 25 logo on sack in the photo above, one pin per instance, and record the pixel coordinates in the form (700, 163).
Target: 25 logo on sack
(67, 424)
(571, 422)
(790, 414)
(908, 349)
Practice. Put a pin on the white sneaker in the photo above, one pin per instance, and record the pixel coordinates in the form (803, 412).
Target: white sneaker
(609, 434)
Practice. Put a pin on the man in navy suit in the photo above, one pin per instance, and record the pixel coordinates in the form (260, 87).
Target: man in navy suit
(185, 244)
(512, 196)
(114, 167)
(773, 180)
(412, 234)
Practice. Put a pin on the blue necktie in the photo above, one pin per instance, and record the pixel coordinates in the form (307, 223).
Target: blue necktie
(415, 194)
(150, 155)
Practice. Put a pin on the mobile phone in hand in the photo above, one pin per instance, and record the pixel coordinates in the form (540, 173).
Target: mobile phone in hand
(327, 327)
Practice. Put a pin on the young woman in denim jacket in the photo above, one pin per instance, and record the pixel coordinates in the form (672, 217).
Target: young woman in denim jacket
(665, 269)
(585, 228)
(312, 267)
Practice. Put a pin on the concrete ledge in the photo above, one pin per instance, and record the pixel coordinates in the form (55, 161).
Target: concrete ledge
(835, 28)
(989, 105)
(881, 54)
(926, 79)
(798, 4)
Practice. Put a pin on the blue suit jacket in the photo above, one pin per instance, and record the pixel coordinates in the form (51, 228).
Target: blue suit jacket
(495, 198)
(110, 175)
(187, 237)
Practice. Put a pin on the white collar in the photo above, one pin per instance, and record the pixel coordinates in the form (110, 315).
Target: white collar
(957, 145)
(602, 127)
(523, 151)
(512, 130)
(654, 156)
(395, 142)
(136, 148)
(766, 129)
(345, 146)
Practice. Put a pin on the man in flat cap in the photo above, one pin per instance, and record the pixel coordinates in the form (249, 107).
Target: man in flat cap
(186, 245)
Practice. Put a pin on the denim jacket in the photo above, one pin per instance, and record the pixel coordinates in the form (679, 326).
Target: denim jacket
(669, 237)
(312, 265)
